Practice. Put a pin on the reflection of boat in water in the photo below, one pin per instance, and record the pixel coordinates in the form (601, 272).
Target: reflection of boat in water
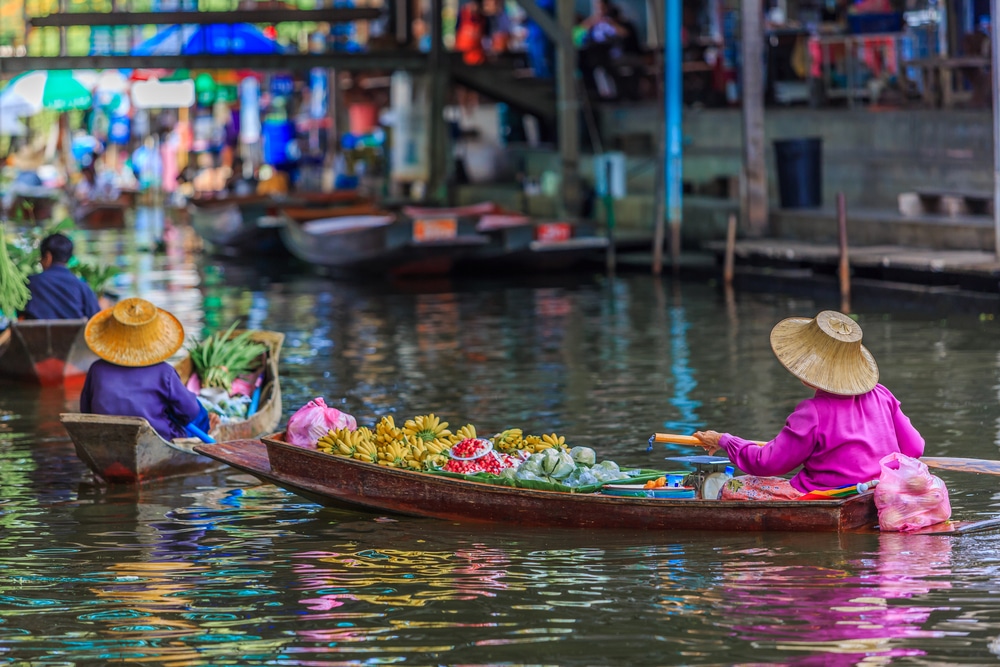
(128, 450)
(347, 483)
(45, 352)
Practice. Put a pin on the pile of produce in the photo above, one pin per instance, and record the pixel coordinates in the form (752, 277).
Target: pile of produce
(14, 293)
(227, 372)
(510, 457)
(220, 358)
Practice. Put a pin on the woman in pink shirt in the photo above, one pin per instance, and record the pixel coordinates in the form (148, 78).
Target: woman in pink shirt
(839, 435)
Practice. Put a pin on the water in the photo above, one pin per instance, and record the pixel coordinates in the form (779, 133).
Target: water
(218, 569)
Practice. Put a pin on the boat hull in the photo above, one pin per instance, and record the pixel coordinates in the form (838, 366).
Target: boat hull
(48, 353)
(343, 482)
(127, 450)
(391, 248)
(236, 228)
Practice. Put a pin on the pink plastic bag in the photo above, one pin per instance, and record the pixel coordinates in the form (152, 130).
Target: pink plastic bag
(313, 420)
(908, 497)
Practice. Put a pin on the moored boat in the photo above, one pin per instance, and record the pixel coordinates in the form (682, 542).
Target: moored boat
(101, 214)
(236, 225)
(383, 244)
(127, 449)
(45, 352)
(519, 242)
(348, 483)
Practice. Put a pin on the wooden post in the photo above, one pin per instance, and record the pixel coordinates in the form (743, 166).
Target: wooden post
(754, 165)
(567, 109)
(844, 270)
(660, 176)
(437, 134)
(995, 75)
(730, 260)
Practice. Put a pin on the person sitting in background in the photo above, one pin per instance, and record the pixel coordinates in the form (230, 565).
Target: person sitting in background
(56, 293)
(470, 33)
(838, 436)
(131, 378)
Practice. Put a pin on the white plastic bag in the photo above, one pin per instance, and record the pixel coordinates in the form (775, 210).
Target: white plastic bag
(908, 496)
(313, 420)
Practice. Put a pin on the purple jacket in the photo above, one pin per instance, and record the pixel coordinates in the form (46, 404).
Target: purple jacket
(838, 440)
(57, 294)
(153, 392)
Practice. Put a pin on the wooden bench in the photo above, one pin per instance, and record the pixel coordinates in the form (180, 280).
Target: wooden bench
(945, 202)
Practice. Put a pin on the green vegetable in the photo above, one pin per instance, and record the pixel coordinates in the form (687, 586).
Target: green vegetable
(14, 292)
(584, 455)
(221, 358)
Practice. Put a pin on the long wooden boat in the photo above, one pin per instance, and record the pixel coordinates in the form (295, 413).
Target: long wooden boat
(248, 225)
(519, 241)
(302, 214)
(383, 244)
(126, 450)
(45, 352)
(345, 483)
(348, 483)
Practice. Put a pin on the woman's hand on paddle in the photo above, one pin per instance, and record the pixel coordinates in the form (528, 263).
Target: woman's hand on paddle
(213, 421)
(709, 440)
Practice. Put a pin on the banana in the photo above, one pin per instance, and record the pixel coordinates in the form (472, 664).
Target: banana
(508, 441)
(426, 427)
(464, 433)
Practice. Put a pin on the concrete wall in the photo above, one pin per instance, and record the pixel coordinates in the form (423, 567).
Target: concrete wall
(871, 156)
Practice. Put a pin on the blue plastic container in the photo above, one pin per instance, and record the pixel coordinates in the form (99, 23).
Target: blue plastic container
(868, 23)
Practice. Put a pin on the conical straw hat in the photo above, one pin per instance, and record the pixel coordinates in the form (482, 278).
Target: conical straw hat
(134, 333)
(826, 352)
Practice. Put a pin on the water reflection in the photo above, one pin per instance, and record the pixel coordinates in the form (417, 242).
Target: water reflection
(219, 569)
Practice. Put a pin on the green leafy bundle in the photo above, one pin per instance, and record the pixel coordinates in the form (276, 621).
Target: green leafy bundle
(222, 357)
(14, 292)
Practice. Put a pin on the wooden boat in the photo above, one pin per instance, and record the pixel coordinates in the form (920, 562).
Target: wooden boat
(248, 225)
(336, 481)
(302, 214)
(518, 241)
(348, 483)
(45, 352)
(383, 244)
(127, 450)
(101, 214)
(237, 226)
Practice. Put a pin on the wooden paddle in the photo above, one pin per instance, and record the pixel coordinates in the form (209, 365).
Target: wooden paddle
(981, 466)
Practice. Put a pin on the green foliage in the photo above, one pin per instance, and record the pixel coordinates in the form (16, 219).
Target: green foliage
(221, 358)
(25, 252)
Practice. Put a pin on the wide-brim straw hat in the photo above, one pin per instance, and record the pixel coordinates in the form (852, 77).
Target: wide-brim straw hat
(134, 333)
(826, 352)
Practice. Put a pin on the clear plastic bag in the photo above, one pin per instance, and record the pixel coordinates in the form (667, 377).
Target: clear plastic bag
(908, 496)
(313, 420)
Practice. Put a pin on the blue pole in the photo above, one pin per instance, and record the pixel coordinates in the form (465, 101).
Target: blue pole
(673, 97)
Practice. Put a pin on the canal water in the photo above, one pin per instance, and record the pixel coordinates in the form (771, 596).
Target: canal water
(219, 569)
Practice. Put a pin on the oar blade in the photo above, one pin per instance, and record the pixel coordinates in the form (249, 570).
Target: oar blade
(981, 466)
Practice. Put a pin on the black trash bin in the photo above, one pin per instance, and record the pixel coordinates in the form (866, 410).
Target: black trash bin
(799, 163)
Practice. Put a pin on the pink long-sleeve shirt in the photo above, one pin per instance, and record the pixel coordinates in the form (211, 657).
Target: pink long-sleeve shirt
(838, 440)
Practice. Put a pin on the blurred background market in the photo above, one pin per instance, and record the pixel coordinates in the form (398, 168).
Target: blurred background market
(515, 102)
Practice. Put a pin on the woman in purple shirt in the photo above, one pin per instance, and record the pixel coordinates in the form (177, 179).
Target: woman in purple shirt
(132, 378)
(839, 435)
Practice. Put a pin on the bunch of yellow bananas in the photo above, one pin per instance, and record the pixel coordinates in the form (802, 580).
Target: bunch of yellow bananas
(427, 428)
(366, 451)
(344, 441)
(393, 455)
(510, 440)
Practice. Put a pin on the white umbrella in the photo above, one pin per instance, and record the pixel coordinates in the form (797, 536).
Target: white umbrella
(112, 87)
(59, 90)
